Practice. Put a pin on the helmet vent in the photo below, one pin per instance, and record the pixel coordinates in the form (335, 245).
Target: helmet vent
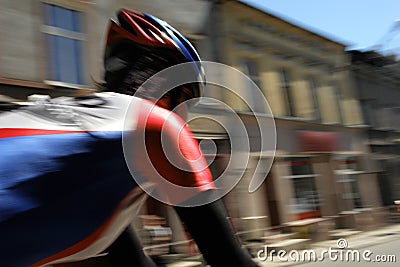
(126, 26)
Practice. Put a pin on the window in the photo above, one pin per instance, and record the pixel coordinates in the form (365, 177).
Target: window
(366, 109)
(314, 96)
(250, 68)
(347, 175)
(329, 108)
(306, 200)
(286, 87)
(338, 99)
(64, 39)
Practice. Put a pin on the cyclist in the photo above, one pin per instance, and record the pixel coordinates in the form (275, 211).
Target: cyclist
(66, 192)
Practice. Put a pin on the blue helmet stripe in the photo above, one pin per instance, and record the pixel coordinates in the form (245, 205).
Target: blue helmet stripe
(184, 45)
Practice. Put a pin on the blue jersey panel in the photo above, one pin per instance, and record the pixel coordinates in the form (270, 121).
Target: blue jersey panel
(55, 190)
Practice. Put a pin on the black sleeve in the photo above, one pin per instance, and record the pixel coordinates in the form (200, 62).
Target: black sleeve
(128, 251)
(213, 234)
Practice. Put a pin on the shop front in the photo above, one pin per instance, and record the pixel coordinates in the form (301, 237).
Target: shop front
(322, 174)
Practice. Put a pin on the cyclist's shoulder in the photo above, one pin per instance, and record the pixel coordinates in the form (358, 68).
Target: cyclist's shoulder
(156, 117)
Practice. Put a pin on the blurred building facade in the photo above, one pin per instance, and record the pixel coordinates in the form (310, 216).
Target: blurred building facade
(322, 164)
(55, 47)
(45, 49)
(377, 79)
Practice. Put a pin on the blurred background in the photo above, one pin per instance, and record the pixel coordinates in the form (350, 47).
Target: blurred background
(336, 111)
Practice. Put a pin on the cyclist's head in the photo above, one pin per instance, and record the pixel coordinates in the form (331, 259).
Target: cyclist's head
(140, 45)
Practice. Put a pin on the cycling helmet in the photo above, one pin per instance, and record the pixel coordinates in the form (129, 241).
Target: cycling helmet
(144, 32)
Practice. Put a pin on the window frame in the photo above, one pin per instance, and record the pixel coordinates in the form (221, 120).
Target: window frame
(313, 86)
(52, 75)
(286, 87)
(308, 176)
(347, 174)
(253, 73)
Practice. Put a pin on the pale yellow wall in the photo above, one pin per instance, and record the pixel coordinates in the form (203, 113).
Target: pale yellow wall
(328, 105)
(275, 96)
(264, 45)
(234, 94)
(351, 112)
(326, 186)
(303, 101)
(20, 25)
(369, 190)
(284, 189)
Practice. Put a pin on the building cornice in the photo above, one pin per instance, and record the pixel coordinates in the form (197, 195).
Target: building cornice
(25, 83)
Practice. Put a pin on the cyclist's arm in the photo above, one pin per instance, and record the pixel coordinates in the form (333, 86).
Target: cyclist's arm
(168, 150)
